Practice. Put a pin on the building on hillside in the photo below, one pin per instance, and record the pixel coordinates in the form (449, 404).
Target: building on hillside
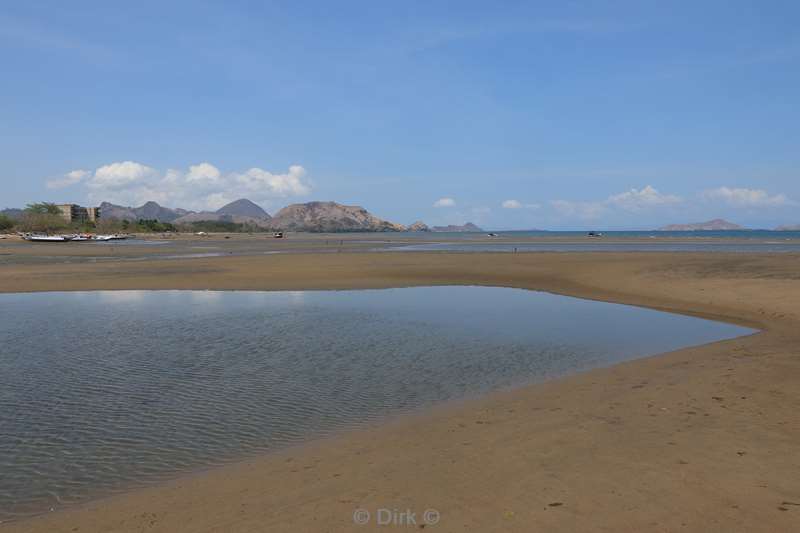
(75, 213)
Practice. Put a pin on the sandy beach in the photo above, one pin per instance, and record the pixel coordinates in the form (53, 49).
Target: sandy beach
(702, 439)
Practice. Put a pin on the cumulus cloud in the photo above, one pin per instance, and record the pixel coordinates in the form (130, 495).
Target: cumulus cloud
(120, 175)
(201, 186)
(68, 179)
(741, 197)
(444, 202)
(640, 199)
(204, 174)
(289, 184)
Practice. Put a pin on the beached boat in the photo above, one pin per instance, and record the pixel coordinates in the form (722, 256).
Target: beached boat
(102, 237)
(47, 238)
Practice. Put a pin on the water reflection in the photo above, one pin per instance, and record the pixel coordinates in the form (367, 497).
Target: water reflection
(105, 390)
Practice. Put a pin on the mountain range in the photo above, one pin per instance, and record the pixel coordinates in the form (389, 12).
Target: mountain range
(321, 217)
(148, 211)
(241, 211)
(311, 216)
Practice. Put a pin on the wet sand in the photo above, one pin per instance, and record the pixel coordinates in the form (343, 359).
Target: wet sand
(702, 439)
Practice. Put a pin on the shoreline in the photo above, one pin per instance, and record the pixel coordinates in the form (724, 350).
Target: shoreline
(670, 282)
(317, 444)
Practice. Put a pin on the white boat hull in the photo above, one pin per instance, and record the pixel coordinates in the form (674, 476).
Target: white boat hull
(46, 238)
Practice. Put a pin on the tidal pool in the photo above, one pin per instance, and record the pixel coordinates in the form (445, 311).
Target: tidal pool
(104, 391)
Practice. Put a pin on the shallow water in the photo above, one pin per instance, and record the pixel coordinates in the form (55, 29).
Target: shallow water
(104, 391)
(599, 246)
(754, 234)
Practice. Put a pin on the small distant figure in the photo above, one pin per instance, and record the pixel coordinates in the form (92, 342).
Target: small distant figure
(278, 235)
(594, 234)
(491, 234)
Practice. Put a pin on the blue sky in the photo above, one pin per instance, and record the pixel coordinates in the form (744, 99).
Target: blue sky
(509, 114)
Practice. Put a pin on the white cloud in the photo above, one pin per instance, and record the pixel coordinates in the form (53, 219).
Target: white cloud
(172, 175)
(203, 174)
(289, 184)
(516, 204)
(444, 202)
(640, 199)
(740, 197)
(67, 180)
(216, 200)
(120, 175)
(634, 200)
(202, 186)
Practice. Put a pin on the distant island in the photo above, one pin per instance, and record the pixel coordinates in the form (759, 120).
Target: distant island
(790, 227)
(717, 224)
(468, 227)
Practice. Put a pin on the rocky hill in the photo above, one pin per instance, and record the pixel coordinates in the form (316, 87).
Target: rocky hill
(468, 227)
(240, 212)
(329, 217)
(418, 226)
(790, 227)
(712, 225)
(243, 208)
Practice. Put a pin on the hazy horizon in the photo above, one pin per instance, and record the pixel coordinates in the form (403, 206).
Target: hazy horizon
(606, 115)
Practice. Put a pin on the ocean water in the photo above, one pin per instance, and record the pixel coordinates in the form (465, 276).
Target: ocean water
(603, 245)
(756, 234)
(101, 392)
(744, 241)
